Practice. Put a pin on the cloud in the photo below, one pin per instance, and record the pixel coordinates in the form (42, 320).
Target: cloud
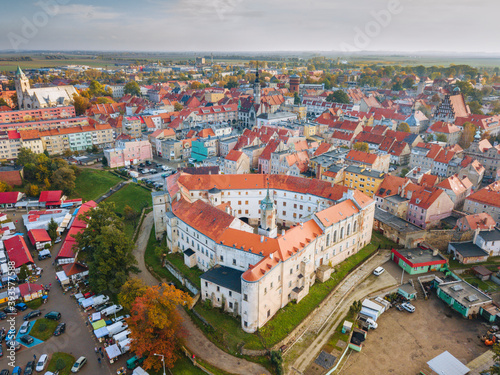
(87, 11)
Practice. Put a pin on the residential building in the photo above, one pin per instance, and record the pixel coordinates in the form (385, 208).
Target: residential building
(236, 162)
(428, 206)
(486, 200)
(132, 125)
(486, 154)
(368, 160)
(449, 131)
(157, 136)
(37, 114)
(451, 107)
(419, 260)
(171, 149)
(128, 153)
(457, 189)
(226, 145)
(204, 148)
(363, 179)
(31, 140)
(482, 221)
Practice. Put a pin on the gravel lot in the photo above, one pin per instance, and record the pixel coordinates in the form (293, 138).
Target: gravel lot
(404, 342)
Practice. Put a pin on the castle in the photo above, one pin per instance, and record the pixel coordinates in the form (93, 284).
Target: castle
(255, 272)
(44, 97)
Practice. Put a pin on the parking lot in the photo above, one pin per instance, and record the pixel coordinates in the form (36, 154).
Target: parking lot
(404, 342)
(78, 340)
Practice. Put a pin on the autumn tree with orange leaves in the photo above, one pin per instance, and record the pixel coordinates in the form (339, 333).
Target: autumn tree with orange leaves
(155, 325)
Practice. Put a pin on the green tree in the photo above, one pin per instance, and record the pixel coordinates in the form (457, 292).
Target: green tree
(64, 179)
(133, 288)
(441, 138)
(3, 103)
(361, 146)
(52, 229)
(408, 83)
(476, 107)
(338, 96)
(106, 249)
(404, 172)
(5, 187)
(178, 106)
(296, 98)
(132, 88)
(96, 88)
(24, 272)
(129, 213)
(403, 127)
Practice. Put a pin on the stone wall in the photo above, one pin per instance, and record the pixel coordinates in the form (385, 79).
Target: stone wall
(440, 238)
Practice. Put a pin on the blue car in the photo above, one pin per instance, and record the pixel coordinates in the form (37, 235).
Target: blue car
(17, 371)
(21, 306)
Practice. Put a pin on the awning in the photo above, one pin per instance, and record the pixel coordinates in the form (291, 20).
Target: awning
(78, 296)
(101, 332)
(87, 302)
(113, 351)
(99, 324)
(62, 277)
(96, 316)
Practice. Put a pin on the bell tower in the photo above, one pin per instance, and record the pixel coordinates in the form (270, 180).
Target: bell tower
(267, 225)
(22, 86)
(256, 87)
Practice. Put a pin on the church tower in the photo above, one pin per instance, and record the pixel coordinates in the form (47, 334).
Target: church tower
(256, 87)
(22, 86)
(267, 225)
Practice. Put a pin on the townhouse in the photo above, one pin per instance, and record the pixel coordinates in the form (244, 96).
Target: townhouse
(486, 200)
(363, 179)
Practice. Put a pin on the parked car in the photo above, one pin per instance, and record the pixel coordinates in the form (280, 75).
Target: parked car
(32, 314)
(10, 310)
(4, 372)
(80, 362)
(3, 315)
(21, 306)
(42, 362)
(17, 370)
(88, 294)
(28, 370)
(61, 327)
(57, 240)
(142, 165)
(378, 271)
(25, 327)
(28, 340)
(1, 351)
(102, 307)
(408, 307)
(148, 162)
(120, 318)
(53, 315)
(13, 344)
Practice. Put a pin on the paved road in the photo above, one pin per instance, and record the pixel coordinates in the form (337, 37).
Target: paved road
(356, 286)
(196, 341)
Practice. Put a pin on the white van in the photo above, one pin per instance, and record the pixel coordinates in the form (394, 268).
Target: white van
(121, 336)
(378, 271)
(112, 310)
(3, 257)
(4, 268)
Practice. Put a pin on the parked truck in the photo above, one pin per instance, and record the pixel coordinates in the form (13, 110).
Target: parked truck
(366, 322)
(112, 310)
(116, 328)
(99, 300)
(121, 336)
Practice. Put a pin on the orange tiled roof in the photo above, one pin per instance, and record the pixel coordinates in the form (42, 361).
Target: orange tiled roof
(490, 195)
(361, 156)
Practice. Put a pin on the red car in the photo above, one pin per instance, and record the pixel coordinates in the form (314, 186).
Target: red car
(88, 295)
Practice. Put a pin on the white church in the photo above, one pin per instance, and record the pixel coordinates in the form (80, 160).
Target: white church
(44, 97)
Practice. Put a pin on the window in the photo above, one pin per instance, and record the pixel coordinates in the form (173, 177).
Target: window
(295, 206)
(301, 207)
(239, 203)
(284, 204)
(230, 294)
(245, 324)
(354, 227)
(246, 202)
(265, 290)
(268, 313)
(335, 236)
(218, 289)
(206, 284)
(279, 277)
(289, 284)
(234, 262)
(341, 233)
(348, 229)
(230, 305)
(291, 270)
(245, 298)
(222, 258)
(271, 285)
(327, 240)
(284, 213)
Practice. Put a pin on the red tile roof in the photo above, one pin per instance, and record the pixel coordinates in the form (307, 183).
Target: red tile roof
(9, 197)
(27, 289)
(361, 157)
(490, 195)
(50, 196)
(234, 155)
(391, 185)
(425, 198)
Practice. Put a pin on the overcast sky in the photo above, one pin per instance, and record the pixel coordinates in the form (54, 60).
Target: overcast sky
(251, 25)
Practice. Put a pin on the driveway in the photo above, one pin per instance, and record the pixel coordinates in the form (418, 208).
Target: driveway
(196, 341)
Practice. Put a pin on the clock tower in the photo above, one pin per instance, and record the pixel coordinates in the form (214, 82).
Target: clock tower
(267, 225)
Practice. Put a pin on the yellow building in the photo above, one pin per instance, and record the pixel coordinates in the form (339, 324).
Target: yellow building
(363, 179)
(213, 97)
(309, 130)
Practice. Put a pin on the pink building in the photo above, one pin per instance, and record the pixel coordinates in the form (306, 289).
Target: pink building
(428, 206)
(37, 114)
(128, 152)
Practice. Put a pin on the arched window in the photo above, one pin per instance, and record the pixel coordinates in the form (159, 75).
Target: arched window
(334, 236)
(354, 227)
(341, 233)
(348, 229)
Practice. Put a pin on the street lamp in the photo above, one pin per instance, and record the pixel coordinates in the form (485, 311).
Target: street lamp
(163, 361)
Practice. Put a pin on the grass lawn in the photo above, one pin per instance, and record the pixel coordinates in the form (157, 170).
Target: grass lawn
(292, 314)
(62, 362)
(134, 196)
(192, 274)
(492, 263)
(485, 286)
(338, 335)
(43, 329)
(92, 183)
(34, 304)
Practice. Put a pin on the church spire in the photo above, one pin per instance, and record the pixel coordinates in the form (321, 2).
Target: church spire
(256, 86)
